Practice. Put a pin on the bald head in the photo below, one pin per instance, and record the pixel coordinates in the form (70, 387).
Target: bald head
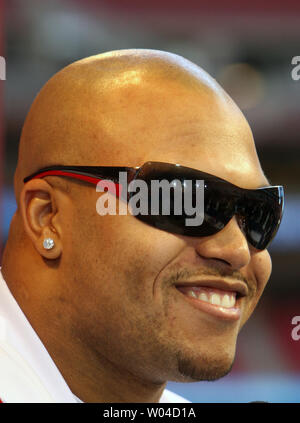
(85, 111)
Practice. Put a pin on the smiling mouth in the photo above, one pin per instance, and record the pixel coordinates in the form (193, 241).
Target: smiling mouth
(221, 303)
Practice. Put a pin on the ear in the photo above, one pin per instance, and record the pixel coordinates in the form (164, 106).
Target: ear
(39, 211)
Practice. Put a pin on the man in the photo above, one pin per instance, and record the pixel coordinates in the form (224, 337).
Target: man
(122, 306)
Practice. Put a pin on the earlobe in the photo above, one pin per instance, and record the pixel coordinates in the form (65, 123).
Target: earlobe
(38, 209)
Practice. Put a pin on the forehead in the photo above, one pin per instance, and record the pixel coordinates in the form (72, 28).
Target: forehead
(194, 124)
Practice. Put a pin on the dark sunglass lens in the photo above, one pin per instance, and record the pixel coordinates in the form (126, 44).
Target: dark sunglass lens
(219, 204)
(165, 197)
(218, 207)
(264, 215)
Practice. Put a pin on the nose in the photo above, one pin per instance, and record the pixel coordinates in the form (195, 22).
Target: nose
(229, 245)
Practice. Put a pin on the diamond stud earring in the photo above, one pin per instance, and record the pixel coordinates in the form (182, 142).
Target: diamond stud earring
(48, 243)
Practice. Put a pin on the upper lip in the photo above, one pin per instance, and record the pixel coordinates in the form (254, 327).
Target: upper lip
(227, 285)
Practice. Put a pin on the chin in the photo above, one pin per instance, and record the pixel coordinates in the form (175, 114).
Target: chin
(204, 367)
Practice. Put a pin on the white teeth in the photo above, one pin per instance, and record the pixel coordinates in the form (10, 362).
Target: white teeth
(226, 301)
(191, 293)
(215, 299)
(222, 300)
(203, 297)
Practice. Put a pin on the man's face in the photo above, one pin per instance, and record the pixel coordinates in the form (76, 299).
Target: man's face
(125, 304)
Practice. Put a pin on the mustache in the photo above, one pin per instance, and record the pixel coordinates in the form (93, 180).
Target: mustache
(234, 275)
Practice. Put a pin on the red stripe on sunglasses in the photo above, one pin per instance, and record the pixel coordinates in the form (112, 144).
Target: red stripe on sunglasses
(110, 186)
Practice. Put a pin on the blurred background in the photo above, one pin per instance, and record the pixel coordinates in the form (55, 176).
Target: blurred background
(248, 48)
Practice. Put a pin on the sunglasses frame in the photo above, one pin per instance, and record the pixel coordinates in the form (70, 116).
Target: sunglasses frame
(94, 174)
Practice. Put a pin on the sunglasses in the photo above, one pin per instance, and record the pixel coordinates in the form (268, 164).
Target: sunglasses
(259, 211)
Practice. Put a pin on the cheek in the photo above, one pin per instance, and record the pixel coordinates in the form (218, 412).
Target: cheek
(262, 266)
(137, 248)
(123, 249)
(117, 278)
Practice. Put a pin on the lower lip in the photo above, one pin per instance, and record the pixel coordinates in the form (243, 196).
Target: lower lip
(233, 313)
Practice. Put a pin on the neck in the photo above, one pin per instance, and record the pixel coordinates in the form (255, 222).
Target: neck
(94, 378)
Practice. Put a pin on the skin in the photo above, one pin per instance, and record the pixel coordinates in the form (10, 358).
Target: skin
(103, 300)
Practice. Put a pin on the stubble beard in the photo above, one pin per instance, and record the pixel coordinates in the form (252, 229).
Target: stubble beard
(205, 369)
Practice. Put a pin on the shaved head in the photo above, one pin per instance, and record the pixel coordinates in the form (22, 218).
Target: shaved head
(77, 113)
(119, 327)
